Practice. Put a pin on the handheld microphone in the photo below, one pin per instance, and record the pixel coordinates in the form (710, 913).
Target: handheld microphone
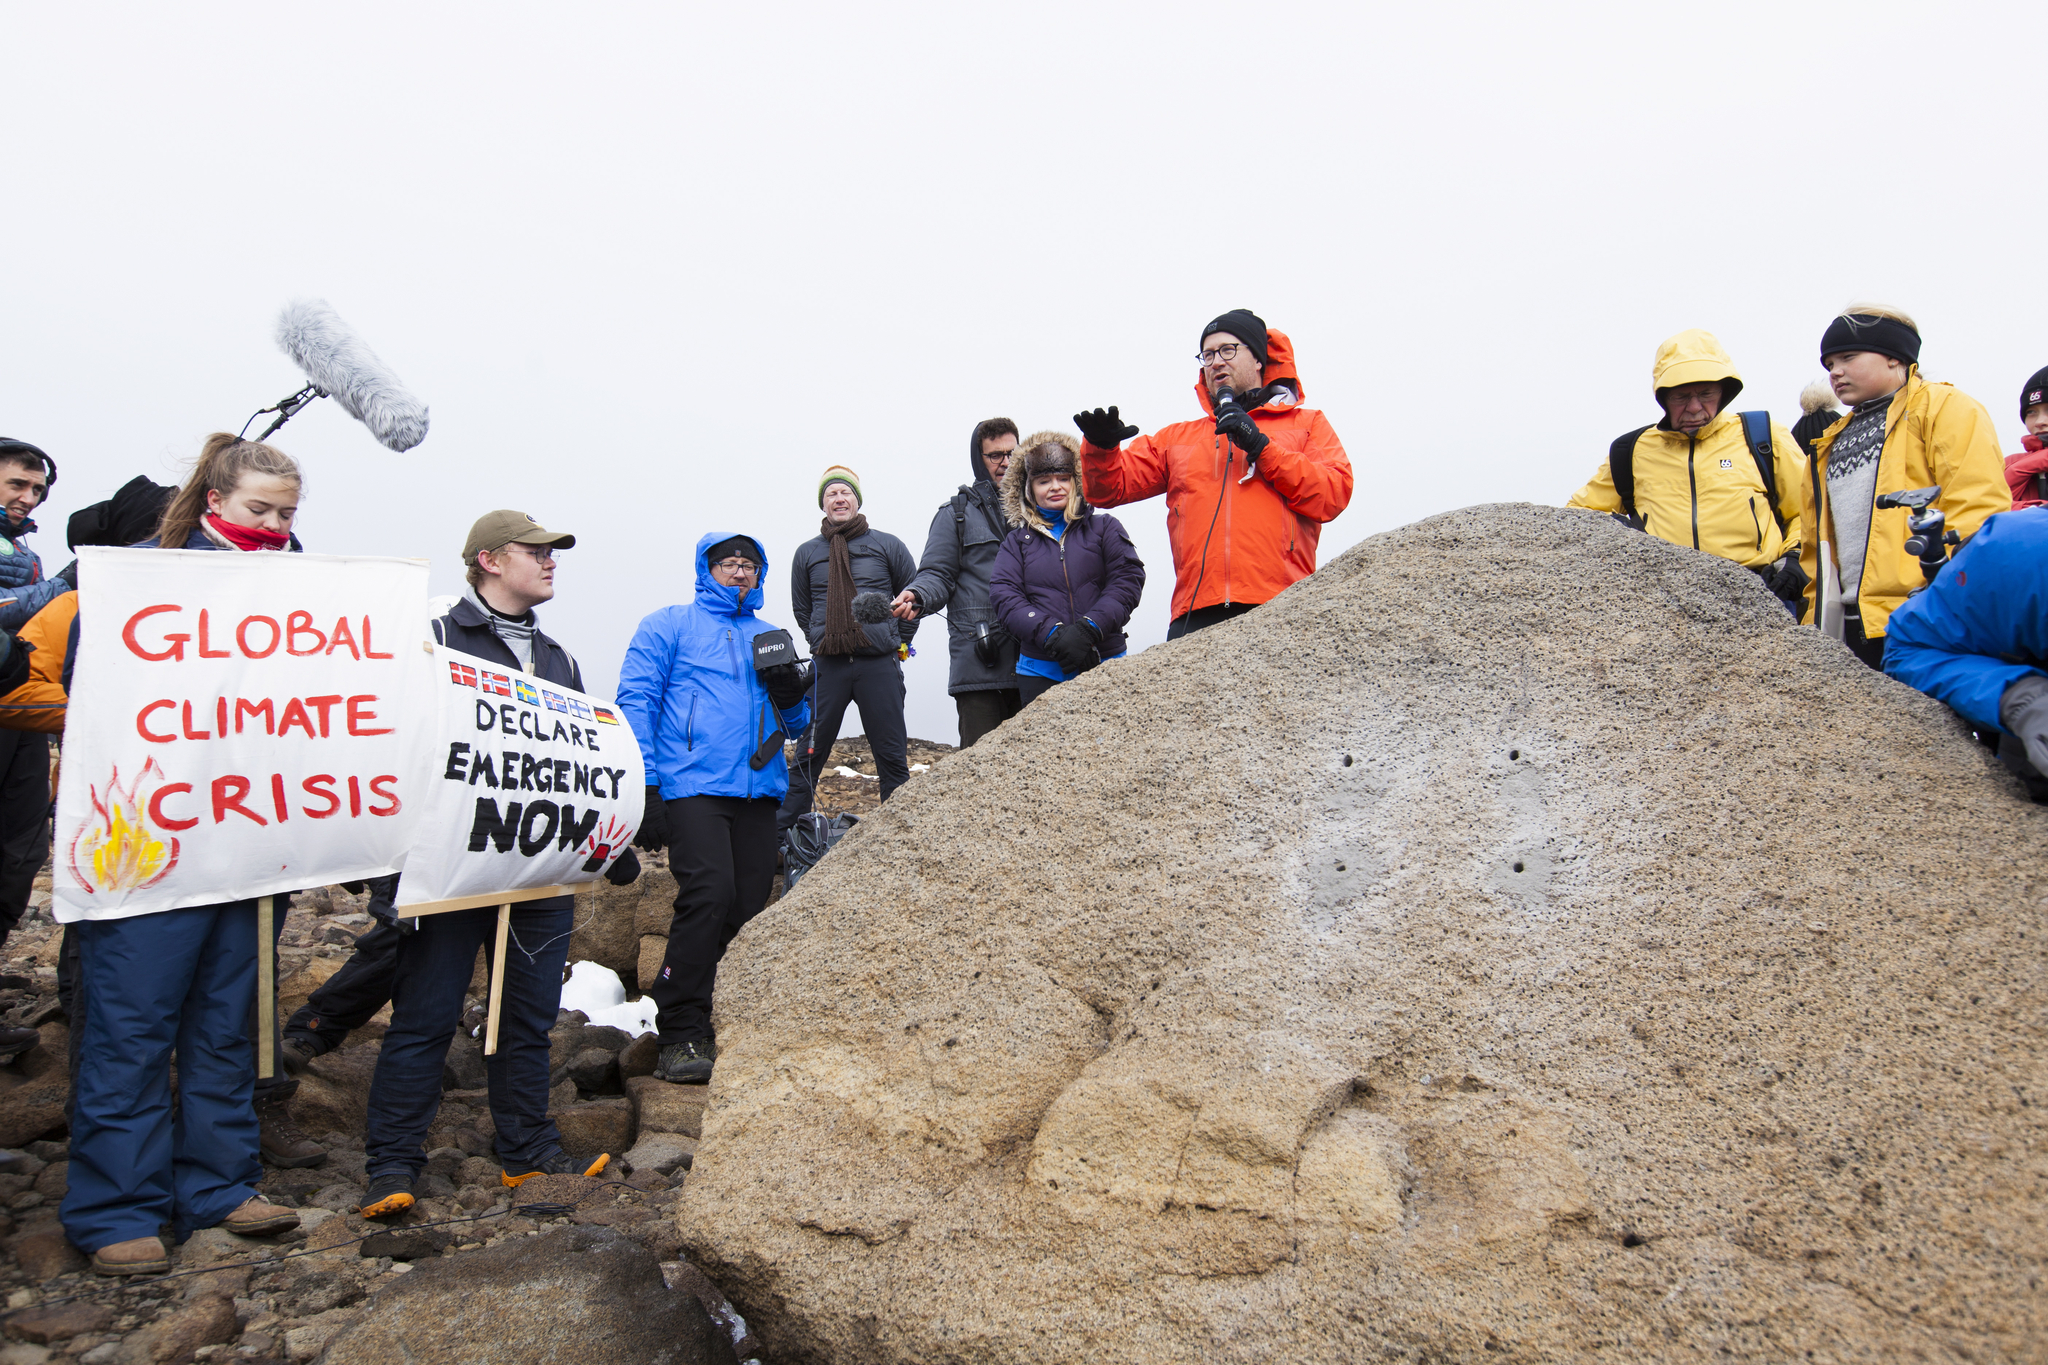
(341, 367)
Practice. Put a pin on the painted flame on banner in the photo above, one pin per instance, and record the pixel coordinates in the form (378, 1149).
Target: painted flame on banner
(117, 850)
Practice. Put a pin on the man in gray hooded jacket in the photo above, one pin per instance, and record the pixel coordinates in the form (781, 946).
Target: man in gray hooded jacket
(959, 555)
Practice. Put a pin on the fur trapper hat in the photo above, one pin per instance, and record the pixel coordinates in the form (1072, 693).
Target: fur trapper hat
(1042, 452)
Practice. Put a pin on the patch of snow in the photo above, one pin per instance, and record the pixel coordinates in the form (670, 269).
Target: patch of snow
(845, 771)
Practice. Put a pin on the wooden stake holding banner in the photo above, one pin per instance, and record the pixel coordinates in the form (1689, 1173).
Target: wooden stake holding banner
(504, 900)
(266, 987)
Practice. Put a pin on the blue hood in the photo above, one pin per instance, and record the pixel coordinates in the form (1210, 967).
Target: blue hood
(714, 596)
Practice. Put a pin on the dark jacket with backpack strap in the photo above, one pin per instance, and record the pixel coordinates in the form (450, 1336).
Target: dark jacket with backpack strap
(959, 556)
(1734, 488)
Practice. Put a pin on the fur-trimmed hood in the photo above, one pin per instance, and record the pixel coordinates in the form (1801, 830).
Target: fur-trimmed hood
(1018, 509)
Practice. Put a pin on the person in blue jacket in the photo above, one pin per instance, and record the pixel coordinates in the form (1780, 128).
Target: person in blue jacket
(1977, 639)
(711, 733)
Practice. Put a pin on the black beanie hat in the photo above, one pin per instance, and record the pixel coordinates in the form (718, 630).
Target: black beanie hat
(1869, 332)
(1243, 324)
(742, 546)
(2035, 391)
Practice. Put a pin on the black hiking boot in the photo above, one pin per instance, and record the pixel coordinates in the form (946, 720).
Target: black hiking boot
(388, 1195)
(686, 1063)
(561, 1163)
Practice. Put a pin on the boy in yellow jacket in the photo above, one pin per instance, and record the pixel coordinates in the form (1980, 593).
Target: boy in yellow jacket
(1900, 432)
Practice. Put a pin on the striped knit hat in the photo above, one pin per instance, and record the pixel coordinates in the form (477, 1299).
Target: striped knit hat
(839, 473)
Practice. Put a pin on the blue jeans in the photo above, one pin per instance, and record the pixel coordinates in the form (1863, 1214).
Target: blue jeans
(434, 967)
(183, 980)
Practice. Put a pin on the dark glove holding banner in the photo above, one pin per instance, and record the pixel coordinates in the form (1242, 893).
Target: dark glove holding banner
(1786, 578)
(1105, 429)
(2023, 712)
(786, 685)
(69, 573)
(625, 869)
(1237, 424)
(653, 833)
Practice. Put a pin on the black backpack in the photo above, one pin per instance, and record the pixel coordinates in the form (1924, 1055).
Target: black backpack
(1756, 429)
(810, 839)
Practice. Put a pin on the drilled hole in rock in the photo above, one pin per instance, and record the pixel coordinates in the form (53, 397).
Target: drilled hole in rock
(1514, 754)
(1635, 1239)
(1518, 867)
(1347, 760)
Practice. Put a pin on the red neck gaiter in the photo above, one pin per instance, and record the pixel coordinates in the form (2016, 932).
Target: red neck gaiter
(247, 537)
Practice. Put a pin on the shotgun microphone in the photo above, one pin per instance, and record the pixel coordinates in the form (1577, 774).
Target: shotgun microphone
(341, 367)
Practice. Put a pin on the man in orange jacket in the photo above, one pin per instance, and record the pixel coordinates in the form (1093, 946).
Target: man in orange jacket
(1247, 487)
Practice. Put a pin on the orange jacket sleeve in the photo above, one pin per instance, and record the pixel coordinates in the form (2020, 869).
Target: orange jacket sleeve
(1111, 478)
(1314, 481)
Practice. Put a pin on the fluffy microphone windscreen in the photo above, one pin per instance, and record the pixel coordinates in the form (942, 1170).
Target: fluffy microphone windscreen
(870, 608)
(336, 359)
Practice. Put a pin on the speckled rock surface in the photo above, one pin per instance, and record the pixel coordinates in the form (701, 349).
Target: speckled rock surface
(1517, 942)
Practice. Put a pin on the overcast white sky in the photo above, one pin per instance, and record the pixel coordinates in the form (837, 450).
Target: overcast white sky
(655, 266)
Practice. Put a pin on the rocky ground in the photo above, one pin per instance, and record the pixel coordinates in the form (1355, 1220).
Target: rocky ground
(288, 1298)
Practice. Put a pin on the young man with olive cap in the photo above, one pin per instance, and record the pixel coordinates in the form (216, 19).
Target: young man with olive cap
(510, 566)
(1248, 486)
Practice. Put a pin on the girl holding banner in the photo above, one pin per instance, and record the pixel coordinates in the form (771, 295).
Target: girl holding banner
(180, 980)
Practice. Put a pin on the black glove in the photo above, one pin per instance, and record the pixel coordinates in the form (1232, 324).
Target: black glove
(1105, 429)
(625, 869)
(653, 823)
(2023, 712)
(1073, 649)
(1632, 520)
(1786, 578)
(1234, 422)
(69, 573)
(786, 685)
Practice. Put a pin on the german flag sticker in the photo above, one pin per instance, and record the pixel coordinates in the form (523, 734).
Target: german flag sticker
(605, 716)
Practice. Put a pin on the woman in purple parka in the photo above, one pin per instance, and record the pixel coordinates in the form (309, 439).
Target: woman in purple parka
(1066, 578)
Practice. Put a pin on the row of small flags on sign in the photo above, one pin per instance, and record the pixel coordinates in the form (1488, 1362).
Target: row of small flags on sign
(503, 685)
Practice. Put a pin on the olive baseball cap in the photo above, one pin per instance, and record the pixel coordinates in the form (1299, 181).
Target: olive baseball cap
(496, 530)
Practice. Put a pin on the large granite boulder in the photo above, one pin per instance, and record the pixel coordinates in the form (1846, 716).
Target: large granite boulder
(1519, 941)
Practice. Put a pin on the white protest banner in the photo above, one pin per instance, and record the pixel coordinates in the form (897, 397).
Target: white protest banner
(532, 785)
(240, 724)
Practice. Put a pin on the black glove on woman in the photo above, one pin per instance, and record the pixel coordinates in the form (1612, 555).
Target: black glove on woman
(1071, 646)
(625, 869)
(653, 833)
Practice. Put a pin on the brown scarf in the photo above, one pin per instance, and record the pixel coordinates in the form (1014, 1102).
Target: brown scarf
(843, 634)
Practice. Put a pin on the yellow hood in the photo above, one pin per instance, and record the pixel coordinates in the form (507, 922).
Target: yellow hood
(1695, 357)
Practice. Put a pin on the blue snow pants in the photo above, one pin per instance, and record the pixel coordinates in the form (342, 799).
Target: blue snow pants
(178, 981)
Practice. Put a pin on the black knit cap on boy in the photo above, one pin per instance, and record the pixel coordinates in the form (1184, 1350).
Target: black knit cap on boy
(2034, 391)
(1243, 324)
(1869, 332)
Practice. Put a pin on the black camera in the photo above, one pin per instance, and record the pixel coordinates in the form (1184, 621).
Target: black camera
(1927, 538)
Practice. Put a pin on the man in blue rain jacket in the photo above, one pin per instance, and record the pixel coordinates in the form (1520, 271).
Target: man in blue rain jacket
(1977, 638)
(711, 731)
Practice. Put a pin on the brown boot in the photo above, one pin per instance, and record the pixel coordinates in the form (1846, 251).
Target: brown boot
(285, 1144)
(256, 1218)
(137, 1256)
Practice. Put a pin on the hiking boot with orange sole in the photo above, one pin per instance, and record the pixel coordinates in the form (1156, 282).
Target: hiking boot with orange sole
(558, 1164)
(387, 1195)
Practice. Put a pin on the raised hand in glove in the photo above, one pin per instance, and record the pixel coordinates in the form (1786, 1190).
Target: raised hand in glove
(1072, 647)
(2023, 713)
(1786, 578)
(654, 823)
(625, 869)
(1234, 422)
(1104, 428)
(786, 685)
(69, 573)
